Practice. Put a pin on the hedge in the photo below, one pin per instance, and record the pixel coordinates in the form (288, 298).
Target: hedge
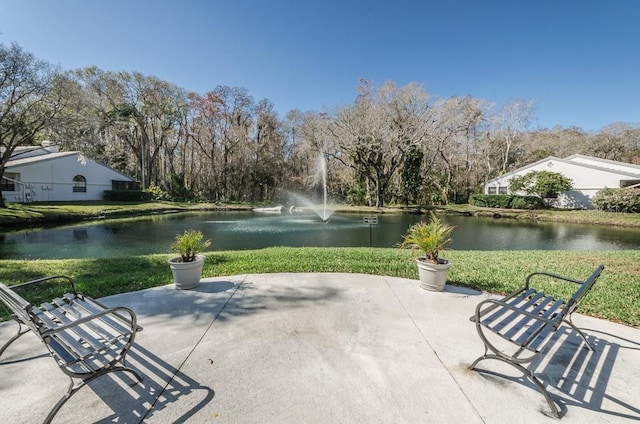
(125, 195)
(506, 201)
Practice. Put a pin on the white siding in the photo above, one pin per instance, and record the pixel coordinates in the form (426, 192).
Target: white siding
(587, 181)
(52, 180)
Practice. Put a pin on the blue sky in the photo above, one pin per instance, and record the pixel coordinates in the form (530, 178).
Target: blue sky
(579, 58)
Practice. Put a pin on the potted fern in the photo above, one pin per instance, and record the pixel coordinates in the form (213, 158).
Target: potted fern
(187, 268)
(430, 238)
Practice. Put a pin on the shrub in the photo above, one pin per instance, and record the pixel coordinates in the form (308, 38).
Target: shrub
(125, 195)
(618, 200)
(541, 183)
(506, 201)
(490, 200)
(526, 202)
(157, 193)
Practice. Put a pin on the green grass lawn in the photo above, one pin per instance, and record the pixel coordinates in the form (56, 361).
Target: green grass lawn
(17, 215)
(616, 295)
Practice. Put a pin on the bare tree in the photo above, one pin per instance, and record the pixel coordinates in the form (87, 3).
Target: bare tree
(508, 125)
(463, 169)
(132, 115)
(558, 141)
(27, 100)
(158, 115)
(616, 141)
(206, 129)
(374, 135)
(268, 153)
(452, 154)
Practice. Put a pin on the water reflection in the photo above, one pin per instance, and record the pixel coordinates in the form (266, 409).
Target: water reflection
(247, 230)
(503, 234)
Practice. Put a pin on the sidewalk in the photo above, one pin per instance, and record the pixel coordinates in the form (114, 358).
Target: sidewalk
(323, 348)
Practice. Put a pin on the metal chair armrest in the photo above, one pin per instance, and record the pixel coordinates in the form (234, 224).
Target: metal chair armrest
(497, 303)
(132, 320)
(52, 277)
(552, 275)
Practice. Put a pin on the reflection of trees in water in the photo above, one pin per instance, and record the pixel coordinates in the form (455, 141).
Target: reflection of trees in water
(80, 234)
(624, 237)
(113, 229)
(8, 247)
(499, 234)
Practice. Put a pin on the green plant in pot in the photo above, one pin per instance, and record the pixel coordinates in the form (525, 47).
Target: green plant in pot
(430, 238)
(187, 268)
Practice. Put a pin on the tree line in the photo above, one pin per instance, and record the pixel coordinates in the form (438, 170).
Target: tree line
(393, 145)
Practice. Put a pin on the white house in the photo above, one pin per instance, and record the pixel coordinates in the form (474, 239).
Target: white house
(588, 174)
(42, 174)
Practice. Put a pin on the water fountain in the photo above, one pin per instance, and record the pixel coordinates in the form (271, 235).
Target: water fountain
(326, 213)
(302, 204)
(322, 210)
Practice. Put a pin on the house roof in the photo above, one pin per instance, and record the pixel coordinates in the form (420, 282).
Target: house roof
(39, 158)
(57, 155)
(605, 162)
(632, 170)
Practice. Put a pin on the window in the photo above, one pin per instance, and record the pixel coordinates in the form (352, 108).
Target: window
(502, 190)
(629, 183)
(492, 190)
(79, 184)
(117, 185)
(8, 183)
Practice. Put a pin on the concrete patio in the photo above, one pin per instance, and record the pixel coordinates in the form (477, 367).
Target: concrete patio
(324, 348)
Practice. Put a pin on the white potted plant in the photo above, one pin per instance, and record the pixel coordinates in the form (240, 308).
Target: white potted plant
(430, 238)
(187, 268)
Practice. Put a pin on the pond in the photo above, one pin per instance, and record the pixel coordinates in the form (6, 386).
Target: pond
(250, 230)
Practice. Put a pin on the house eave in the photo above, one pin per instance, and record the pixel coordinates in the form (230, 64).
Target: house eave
(568, 162)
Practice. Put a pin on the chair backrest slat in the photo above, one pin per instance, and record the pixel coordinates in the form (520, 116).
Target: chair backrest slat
(582, 291)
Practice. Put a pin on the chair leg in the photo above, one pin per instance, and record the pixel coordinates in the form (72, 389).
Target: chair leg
(535, 380)
(70, 392)
(73, 389)
(21, 331)
(584, 336)
(528, 373)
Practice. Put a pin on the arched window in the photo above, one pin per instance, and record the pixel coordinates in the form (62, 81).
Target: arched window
(79, 184)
